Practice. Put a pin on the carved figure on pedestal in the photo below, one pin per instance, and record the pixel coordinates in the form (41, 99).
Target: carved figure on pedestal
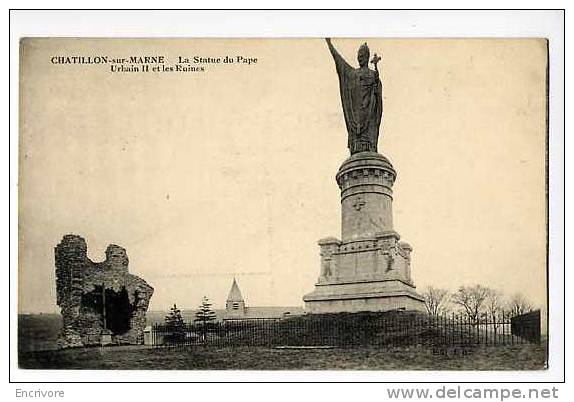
(326, 266)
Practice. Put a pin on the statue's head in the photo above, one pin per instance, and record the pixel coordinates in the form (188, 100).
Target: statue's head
(363, 55)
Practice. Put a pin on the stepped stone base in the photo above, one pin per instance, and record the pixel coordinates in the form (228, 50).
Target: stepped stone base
(373, 295)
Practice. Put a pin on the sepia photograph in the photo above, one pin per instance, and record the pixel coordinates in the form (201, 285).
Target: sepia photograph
(328, 203)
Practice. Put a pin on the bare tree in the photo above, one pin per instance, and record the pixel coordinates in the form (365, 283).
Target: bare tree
(472, 299)
(493, 303)
(518, 305)
(435, 300)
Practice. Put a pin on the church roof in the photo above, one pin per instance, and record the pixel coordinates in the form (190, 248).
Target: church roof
(234, 293)
(262, 312)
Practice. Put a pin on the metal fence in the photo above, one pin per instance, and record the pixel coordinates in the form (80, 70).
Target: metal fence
(359, 329)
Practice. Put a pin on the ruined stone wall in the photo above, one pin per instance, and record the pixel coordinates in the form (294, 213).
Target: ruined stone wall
(98, 298)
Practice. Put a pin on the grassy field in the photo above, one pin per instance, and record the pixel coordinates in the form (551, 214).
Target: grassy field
(517, 357)
(38, 331)
(38, 334)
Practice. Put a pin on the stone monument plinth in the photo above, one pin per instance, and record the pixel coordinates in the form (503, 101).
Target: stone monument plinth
(368, 269)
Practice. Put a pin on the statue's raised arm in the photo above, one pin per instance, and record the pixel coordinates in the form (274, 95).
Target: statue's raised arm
(340, 62)
(361, 98)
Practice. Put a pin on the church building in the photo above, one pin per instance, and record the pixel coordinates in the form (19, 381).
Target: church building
(236, 309)
(235, 305)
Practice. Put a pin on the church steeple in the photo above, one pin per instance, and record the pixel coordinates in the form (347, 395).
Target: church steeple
(235, 302)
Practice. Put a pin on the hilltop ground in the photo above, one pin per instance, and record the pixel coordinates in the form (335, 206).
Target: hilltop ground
(517, 357)
(37, 336)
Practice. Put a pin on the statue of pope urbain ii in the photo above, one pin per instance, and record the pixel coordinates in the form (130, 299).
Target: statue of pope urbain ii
(361, 97)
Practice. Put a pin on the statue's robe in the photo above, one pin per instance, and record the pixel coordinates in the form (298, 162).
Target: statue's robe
(361, 98)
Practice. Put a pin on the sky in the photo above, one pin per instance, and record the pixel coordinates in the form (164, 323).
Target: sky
(230, 172)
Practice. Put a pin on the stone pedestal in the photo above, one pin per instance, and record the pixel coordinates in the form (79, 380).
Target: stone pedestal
(369, 269)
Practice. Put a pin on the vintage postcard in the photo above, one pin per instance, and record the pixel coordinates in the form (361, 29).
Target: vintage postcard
(283, 204)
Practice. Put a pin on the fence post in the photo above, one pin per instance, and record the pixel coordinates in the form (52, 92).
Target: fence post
(249, 333)
(451, 328)
(455, 329)
(486, 330)
(459, 330)
(504, 318)
(462, 329)
(496, 328)
(512, 333)
(460, 325)
(443, 328)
